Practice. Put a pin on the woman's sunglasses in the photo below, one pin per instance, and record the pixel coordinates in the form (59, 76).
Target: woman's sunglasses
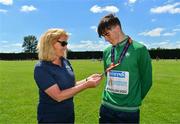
(63, 43)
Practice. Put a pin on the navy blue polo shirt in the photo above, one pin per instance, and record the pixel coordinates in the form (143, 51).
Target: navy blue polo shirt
(47, 74)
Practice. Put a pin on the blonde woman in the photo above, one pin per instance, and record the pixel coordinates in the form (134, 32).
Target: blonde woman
(55, 79)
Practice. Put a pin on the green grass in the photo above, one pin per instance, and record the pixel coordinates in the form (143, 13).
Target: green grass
(19, 93)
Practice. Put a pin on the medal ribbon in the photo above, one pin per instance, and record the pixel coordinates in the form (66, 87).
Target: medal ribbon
(121, 55)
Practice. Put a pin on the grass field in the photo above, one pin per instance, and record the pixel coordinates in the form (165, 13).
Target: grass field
(19, 94)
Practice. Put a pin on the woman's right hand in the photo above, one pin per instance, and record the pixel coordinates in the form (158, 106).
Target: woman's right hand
(93, 80)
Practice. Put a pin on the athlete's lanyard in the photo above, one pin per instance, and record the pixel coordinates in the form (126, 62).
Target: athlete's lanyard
(113, 65)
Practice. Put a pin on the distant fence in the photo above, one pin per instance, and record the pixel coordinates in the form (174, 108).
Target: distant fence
(155, 54)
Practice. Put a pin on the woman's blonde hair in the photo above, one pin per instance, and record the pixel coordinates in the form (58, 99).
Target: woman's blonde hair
(45, 46)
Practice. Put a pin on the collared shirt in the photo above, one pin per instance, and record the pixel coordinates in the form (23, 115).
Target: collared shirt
(46, 74)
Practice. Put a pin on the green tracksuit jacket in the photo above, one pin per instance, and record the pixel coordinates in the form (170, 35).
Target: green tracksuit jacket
(137, 64)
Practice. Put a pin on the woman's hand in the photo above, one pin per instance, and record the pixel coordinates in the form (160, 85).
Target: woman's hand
(93, 80)
(59, 95)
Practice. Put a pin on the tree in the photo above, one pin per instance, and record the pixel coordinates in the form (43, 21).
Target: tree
(30, 44)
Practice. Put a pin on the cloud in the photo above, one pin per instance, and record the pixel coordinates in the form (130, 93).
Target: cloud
(3, 41)
(17, 44)
(169, 1)
(6, 2)
(131, 1)
(153, 33)
(3, 11)
(27, 8)
(88, 45)
(163, 44)
(169, 34)
(167, 45)
(176, 29)
(169, 8)
(69, 33)
(94, 28)
(9, 47)
(98, 9)
(130, 4)
(153, 20)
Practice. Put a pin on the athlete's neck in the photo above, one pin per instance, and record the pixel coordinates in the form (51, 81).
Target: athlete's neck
(121, 38)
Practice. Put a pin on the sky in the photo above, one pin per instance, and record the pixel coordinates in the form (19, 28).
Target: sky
(154, 23)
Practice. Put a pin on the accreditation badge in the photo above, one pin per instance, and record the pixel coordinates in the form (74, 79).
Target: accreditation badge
(117, 82)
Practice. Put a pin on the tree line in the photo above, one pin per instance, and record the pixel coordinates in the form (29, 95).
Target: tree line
(30, 52)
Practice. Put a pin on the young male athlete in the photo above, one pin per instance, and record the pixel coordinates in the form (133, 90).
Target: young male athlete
(128, 72)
